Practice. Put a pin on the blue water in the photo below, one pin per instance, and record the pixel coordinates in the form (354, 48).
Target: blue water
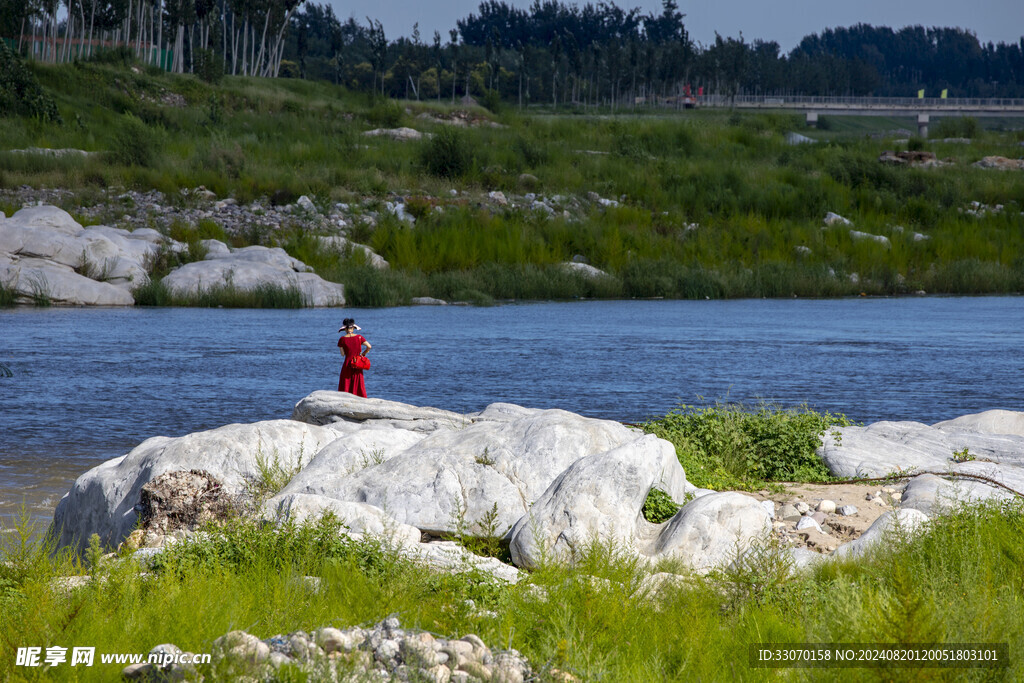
(89, 384)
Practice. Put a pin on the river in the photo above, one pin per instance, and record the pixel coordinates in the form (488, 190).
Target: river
(89, 384)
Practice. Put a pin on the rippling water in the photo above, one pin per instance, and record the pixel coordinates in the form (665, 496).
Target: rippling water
(89, 384)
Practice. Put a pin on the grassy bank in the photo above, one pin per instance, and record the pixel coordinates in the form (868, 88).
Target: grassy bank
(958, 582)
(713, 204)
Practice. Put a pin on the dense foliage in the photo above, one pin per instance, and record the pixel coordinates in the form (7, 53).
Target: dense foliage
(725, 446)
(550, 52)
(20, 93)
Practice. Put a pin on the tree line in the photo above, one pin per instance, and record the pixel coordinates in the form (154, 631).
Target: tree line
(551, 52)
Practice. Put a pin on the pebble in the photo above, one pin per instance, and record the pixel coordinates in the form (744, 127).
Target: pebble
(789, 512)
(847, 510)
(818, 517)
(769, 507)
(803, 508)
(808, 523)
(827, 506)
(384, 652)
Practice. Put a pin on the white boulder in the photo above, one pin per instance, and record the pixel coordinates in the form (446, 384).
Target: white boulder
(962, 446)
(584, 269)
(896, 525)
(252, 267)
(103, 500)
(45, 253)
(598, 498)
(344, 245)
(713, 530)
(464, 469)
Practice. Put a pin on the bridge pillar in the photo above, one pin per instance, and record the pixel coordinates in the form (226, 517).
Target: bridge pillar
(812, 119)
(922, 125)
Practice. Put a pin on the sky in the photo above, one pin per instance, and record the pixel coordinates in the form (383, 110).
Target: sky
(784, 21)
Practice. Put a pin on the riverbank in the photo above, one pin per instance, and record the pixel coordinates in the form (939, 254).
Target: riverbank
(473, 205)
(601, 611)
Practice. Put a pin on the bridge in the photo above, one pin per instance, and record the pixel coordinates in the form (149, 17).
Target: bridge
(923, 108)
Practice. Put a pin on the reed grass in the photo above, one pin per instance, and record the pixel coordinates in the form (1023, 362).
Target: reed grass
(223, 295)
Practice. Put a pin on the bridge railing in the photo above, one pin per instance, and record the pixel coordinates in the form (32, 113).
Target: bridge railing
(769, 101)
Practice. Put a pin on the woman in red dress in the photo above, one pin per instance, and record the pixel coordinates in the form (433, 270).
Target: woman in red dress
(351, 345)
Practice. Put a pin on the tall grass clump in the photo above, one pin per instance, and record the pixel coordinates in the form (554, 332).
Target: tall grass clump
(224, 295)
(955, 127)
(134, 143)
(448, 154)
(725, 446)
(8, 296)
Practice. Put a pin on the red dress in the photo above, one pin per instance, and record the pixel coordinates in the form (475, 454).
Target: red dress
(351, 379)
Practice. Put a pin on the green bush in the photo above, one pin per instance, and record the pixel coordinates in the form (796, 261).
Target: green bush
(448, 154)
(209, 66)
(659, 507)
(386, 113)
(135, 143)
(20, 92)
(959, 127)
(725, 446)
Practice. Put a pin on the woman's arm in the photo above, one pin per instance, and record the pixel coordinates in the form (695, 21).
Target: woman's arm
(368, 347)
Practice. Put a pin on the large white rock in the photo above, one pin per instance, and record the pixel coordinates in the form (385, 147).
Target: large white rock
(463, 468)
(713, 530)
(327, 407)
(103, 499)
(252, 270)
(934, 495)
(33, 278)
(43, 250)
(599, 498)
(895, 525)
(994, 446)
(343, 245)
(988, 422)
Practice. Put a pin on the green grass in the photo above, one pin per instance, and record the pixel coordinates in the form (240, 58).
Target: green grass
(758, 202)
(958, 582)
(225, 295)
(728, 447)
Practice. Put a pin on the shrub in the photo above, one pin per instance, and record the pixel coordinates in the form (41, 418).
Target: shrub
(209, 66)
(448, 154)
(492, 100)
(960, 127)
(386, 113)
(725, 446)
(20, 92)
(135, 143)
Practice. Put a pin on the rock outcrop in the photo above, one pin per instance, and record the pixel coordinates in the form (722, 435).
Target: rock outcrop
(989, 444)
(548, 482)
(46, 254)
(249, 268)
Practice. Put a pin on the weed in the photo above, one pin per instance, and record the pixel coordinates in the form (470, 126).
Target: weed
(272, 475)
(485, 458)
(41, 292)
(659, 507)
(963, 455)
(449, 154)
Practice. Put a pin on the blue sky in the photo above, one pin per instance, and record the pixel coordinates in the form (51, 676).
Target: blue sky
(785, 21)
